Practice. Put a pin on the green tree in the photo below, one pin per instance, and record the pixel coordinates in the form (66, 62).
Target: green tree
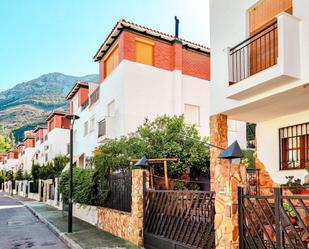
(47, 171)
(170, 137)
(27, 176)
(6, 143)
(19, 175)
(2, 176)
(59, 163)
(10, 175)
(35, 171)
(165, 137)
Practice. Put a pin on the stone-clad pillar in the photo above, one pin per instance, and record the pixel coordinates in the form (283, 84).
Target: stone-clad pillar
(224, 181)
(139, 181)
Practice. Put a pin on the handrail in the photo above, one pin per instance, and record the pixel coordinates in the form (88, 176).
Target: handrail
(249, 38)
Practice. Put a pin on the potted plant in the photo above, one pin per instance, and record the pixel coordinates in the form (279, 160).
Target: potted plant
(291, 213)
(294, 185)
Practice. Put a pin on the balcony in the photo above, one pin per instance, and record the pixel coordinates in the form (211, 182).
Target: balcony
(95, 96)
(266, 60)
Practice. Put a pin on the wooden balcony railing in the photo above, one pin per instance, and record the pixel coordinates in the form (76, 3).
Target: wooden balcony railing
(255, 54)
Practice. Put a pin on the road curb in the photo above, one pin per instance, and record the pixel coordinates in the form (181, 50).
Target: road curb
(63, 236)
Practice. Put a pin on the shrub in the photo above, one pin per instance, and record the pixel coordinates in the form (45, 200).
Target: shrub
(19, 175)
(165, 137)
(59, 163)
(2, 176)
(46, 171)
(84, 187)
(249, 158)
(35, 171)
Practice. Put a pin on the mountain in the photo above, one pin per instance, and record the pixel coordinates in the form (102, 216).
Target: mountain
(27, 104)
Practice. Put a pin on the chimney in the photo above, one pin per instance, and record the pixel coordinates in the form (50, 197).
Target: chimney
(176, 27)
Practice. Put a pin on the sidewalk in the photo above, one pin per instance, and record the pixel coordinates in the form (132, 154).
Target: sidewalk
(84, 236)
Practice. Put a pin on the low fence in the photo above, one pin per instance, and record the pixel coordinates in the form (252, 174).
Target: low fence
(183, 218)
(120, 192)
(273, 221)
(128, 190)
(34, 187)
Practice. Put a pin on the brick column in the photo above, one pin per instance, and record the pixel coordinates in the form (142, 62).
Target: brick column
(224, 181)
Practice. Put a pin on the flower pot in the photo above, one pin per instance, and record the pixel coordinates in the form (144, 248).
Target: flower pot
(293, 220)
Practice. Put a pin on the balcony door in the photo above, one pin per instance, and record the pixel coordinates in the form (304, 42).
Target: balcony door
(263, 32)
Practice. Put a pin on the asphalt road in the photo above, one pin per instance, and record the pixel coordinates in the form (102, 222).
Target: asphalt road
(20, 229)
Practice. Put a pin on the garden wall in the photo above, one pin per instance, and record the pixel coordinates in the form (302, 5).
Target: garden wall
(127, 225)
(86, 213)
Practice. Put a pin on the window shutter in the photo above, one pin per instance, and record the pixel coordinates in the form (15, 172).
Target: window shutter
(144, 52)
(112, 61)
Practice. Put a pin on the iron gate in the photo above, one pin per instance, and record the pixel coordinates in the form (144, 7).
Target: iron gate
(179, 219)
(267, 221)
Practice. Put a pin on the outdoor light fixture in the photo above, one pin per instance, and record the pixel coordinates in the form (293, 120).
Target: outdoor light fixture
(141, 163)
(232, 152)
(71, 117)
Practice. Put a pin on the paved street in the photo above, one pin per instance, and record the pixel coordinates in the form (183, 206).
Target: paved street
(20, 229)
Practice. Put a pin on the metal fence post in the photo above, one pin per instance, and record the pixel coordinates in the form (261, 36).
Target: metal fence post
(241, 218)
(278, 205)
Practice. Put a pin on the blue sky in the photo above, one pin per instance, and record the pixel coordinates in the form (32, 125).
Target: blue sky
(41, 36)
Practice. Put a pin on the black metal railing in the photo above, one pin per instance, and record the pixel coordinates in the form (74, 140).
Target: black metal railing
(185, 218)
(274, 221)
(102, 128)
(51, 192)
(120, 191)
(255, 54)
(85, 104)
(95, 96)
(34, 187)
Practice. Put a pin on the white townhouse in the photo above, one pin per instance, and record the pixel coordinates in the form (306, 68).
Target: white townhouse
(26, 151)
(260, 74)
(144, 73)
(56, 137)
(9, 161)
(41, 153)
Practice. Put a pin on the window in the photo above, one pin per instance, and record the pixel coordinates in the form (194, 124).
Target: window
(111, 61)
(102, 128)
(92, 123)
(192, 114)
(294, 146)
(144, 51)
(111, 109)
(86, 128)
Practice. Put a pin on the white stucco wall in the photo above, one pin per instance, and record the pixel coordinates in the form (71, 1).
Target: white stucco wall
(25, 159)
(271, 107)
(228, 27)
(58, 140)
(268, 145)
(141, 91)
(86, 213)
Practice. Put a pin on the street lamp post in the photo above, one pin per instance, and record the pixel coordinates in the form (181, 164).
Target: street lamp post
(12, 181)
(71, 117)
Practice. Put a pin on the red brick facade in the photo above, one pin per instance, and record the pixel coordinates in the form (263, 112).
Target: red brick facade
(166, 56)
(12, 155)
(29, 143)
(58, 121)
